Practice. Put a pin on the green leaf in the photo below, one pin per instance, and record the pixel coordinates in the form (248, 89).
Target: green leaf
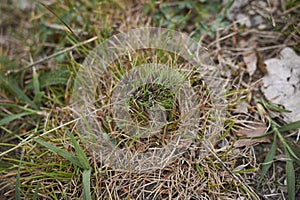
(10, 118)
(79, 151)
(290, 176)
(86, 178)
(290, 126)
(14, 88)
(268, 159)
(73, 159)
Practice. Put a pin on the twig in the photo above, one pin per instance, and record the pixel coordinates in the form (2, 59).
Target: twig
(271, 14)
(51, 56)
(222, 38)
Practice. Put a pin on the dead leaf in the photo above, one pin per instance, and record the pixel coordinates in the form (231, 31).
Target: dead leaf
(250, 60)
(242, 107)
(259, 130)
(260, 62)
(281, 85)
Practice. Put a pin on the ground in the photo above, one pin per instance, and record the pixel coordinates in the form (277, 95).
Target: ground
(250, 150)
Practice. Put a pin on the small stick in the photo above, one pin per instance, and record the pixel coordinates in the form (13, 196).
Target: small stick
(222, 38)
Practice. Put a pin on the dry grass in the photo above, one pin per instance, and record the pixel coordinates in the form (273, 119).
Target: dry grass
(207, 170)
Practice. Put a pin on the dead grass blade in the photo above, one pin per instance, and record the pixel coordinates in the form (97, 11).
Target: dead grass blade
(32, 137)
(51, 56)
(246, 188)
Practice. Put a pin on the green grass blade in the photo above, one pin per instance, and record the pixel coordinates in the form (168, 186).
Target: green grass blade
(73, 159)
(36, 192)
(86, 178)
(296, 149)
(274, 107)
(5, 165)
(14, 88)
(290, 176)
(18, 186)
(10, 118)
(290, 126)
(268, 159)
(13, 105)
(56, 77)
(287, 146)
(79, 151)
